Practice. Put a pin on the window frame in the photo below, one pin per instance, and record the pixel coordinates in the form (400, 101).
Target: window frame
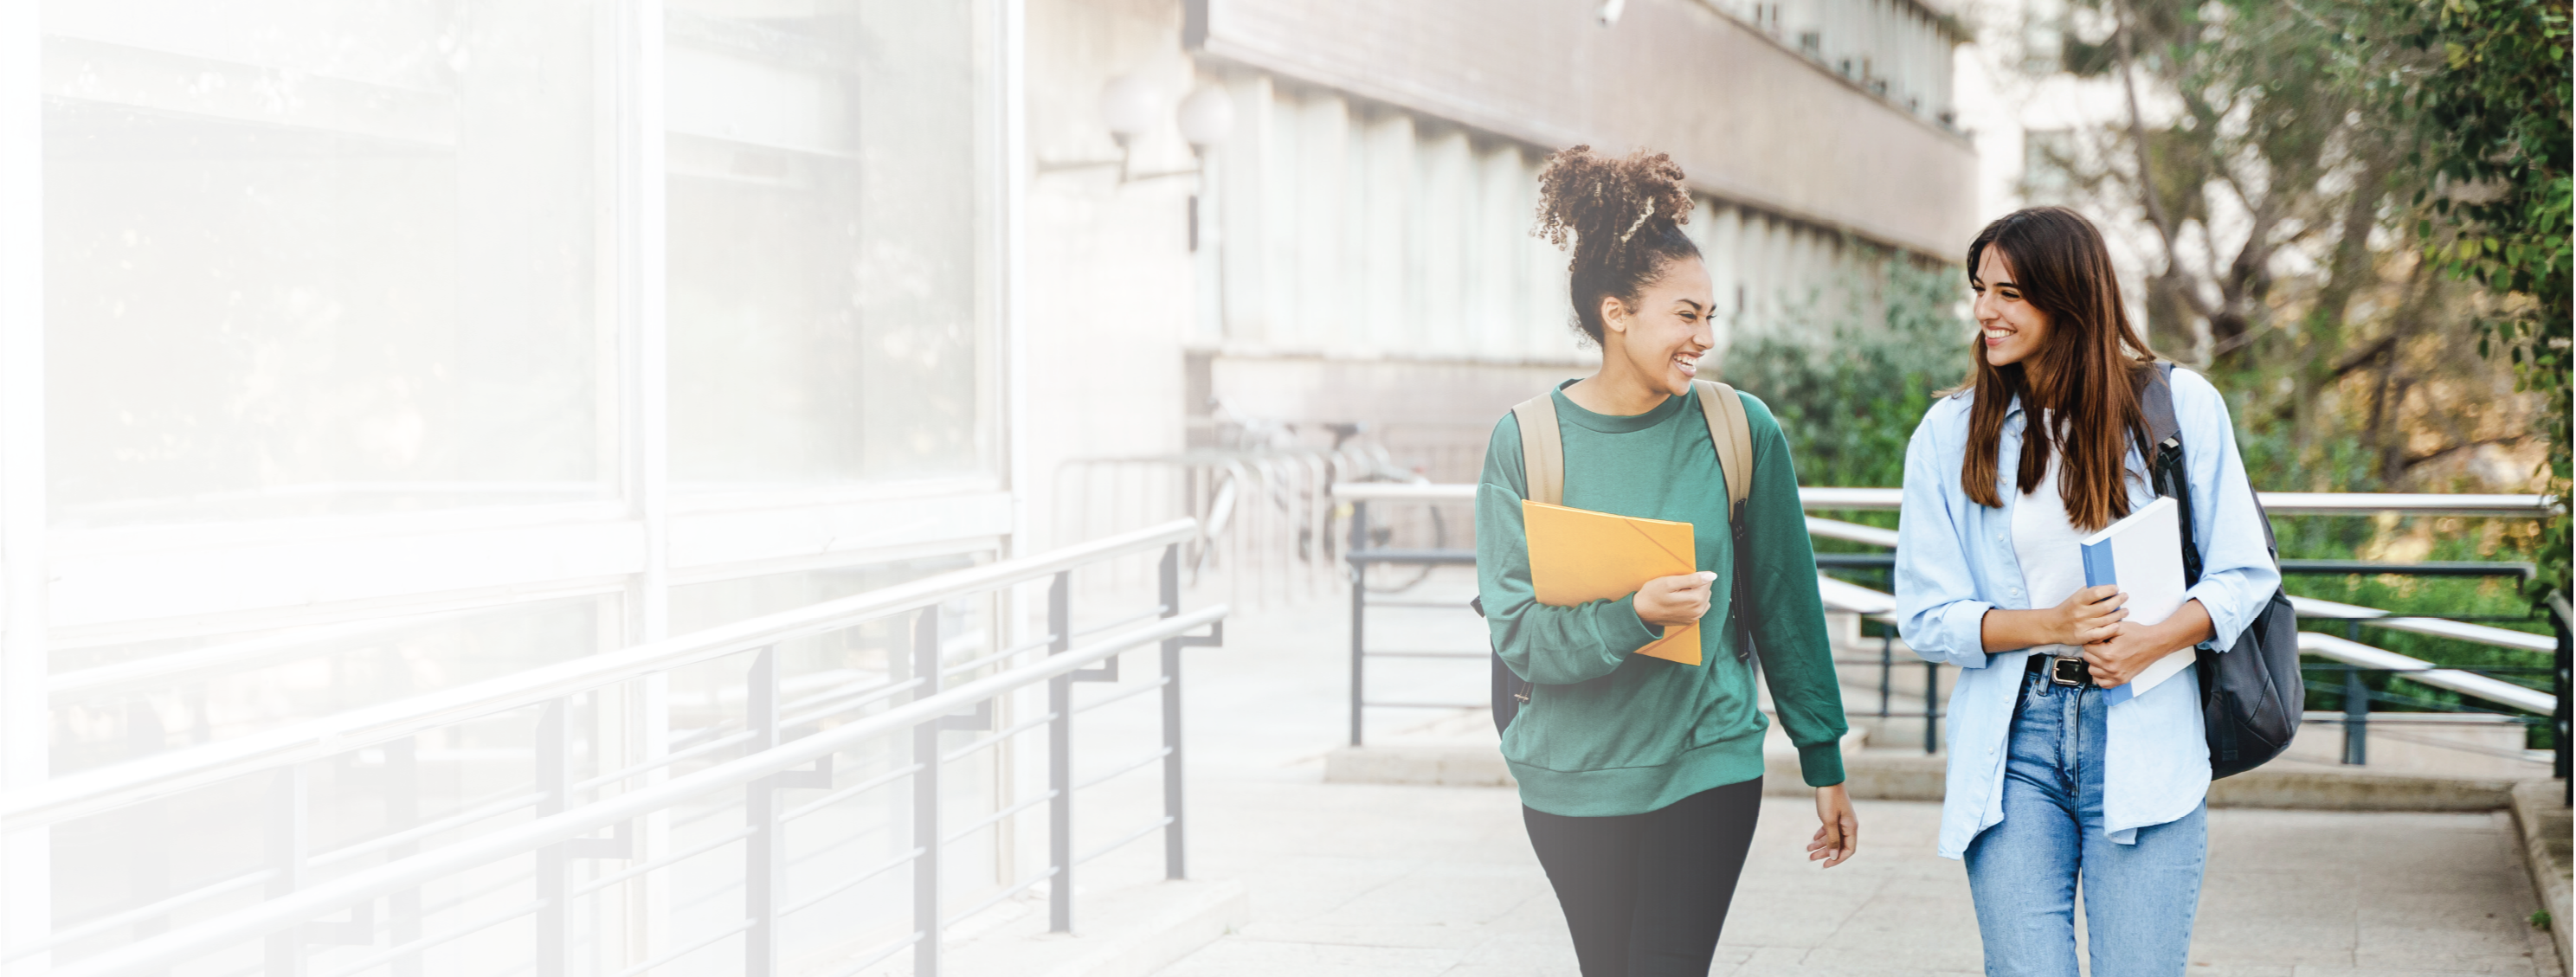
(145, 575)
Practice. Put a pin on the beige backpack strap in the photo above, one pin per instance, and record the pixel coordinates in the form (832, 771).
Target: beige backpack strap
(1542, 449)
(1733, 437)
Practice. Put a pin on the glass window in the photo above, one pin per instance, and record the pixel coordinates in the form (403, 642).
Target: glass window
(824, 229)
(307, 257)
(217, 686)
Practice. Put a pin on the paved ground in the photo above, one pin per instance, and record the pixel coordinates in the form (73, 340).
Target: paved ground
(1395, 880)
(1385, 880)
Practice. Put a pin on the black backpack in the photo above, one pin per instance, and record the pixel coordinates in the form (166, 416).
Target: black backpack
(2251, 695)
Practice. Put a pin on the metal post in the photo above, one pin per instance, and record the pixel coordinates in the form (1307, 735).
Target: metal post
(2356, 707)
(554, 742)
(147, 841)
(765, 851)
(1359, 611)
(1173, 865)
(2558, 720)
(1886, 671)
(285, 837)
(1060, 761)
(402, 810)
(759, 809)
(1931, 708)
(925, 799)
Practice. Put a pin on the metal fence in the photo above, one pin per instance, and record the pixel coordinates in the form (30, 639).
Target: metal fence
(308, 898)
(1273, 524)
(2347, 658)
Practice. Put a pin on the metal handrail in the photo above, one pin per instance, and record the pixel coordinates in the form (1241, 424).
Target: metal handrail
(2418, 670)
(1853, 598)
(2305, 606)
(1876, 606)
(1851, 532)
(2437, 627)
(326, 897)
(177, 771)
(1889, 499)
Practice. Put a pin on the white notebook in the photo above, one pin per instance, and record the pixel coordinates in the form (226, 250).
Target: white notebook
(2142, 554)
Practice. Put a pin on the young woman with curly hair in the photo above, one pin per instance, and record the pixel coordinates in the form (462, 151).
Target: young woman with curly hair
(2049, 784)
(1641, 777)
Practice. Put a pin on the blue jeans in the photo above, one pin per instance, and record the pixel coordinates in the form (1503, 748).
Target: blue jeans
(2138, 899)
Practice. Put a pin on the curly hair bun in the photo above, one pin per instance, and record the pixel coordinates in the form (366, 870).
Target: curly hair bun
(1623, 216)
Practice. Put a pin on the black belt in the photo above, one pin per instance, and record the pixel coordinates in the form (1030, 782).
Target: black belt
(2072, 673)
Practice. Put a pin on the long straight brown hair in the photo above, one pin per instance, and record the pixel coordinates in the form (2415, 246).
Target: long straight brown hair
(2088, 374)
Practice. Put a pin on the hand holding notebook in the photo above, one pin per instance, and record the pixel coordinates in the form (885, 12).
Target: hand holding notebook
(2142, 555)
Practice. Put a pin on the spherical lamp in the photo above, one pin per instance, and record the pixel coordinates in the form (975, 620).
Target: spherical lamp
(1127, 107)
(1207, 117)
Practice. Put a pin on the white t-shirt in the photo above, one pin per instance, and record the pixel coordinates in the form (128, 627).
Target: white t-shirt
(2045, 542)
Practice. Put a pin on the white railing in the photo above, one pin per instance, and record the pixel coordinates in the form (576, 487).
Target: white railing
(569, 812)
(1844, 597)
(1889, 499)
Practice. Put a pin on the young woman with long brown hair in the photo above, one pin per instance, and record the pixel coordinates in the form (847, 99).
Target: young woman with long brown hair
(2047, 784)
(1641, 777)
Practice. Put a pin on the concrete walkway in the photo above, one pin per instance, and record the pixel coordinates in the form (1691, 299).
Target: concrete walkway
(1370, 879)
(1364, 879)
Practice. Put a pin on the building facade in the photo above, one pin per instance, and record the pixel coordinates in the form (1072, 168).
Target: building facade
(353, 353)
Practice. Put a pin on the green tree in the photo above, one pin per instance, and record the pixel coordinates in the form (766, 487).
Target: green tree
(2494, 117)
(1847, 391)
(2262, 167)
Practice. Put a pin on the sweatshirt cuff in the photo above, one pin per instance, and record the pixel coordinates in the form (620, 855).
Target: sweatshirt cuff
(1822, 763)
(1640, 633)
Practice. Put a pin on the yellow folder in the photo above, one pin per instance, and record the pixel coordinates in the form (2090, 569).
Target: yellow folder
(1577, 555)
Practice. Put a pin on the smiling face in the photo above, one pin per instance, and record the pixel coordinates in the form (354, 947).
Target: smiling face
(1662, 338)
(2013, 329)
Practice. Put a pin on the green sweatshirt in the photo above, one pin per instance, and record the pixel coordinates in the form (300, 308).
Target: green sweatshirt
(1608, 732)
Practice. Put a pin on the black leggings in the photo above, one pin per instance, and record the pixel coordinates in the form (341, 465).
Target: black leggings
(1645, 894)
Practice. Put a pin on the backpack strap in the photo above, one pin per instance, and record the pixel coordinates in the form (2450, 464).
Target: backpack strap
(1542, 449)
(1543, 445)
(2163, 453)
(1733, 437)
(2156, 402)
(2166, 471)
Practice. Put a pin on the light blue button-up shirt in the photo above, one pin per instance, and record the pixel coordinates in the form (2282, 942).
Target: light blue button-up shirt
(1955, 561)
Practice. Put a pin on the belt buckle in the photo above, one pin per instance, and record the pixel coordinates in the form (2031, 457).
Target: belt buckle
(2068, 671)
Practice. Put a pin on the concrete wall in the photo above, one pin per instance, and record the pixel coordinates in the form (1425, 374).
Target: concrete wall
(1751, 119)
(1109, 284)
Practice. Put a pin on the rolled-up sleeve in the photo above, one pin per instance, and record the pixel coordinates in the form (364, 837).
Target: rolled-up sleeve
(1936, 598)
(2237, 572)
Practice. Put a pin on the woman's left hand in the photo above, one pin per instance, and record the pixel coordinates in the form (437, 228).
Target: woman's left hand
(2132, 647)
(1838, 833)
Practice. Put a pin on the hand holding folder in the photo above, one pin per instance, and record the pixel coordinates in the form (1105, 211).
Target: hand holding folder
(1577, 556)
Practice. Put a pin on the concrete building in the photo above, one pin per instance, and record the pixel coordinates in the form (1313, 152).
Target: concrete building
(1358, 249)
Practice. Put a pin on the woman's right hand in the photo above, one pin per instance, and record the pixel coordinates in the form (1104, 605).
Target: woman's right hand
(2087, 615)
(1674, 601)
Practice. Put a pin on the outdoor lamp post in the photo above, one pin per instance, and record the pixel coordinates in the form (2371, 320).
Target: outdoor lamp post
(1129, 106)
